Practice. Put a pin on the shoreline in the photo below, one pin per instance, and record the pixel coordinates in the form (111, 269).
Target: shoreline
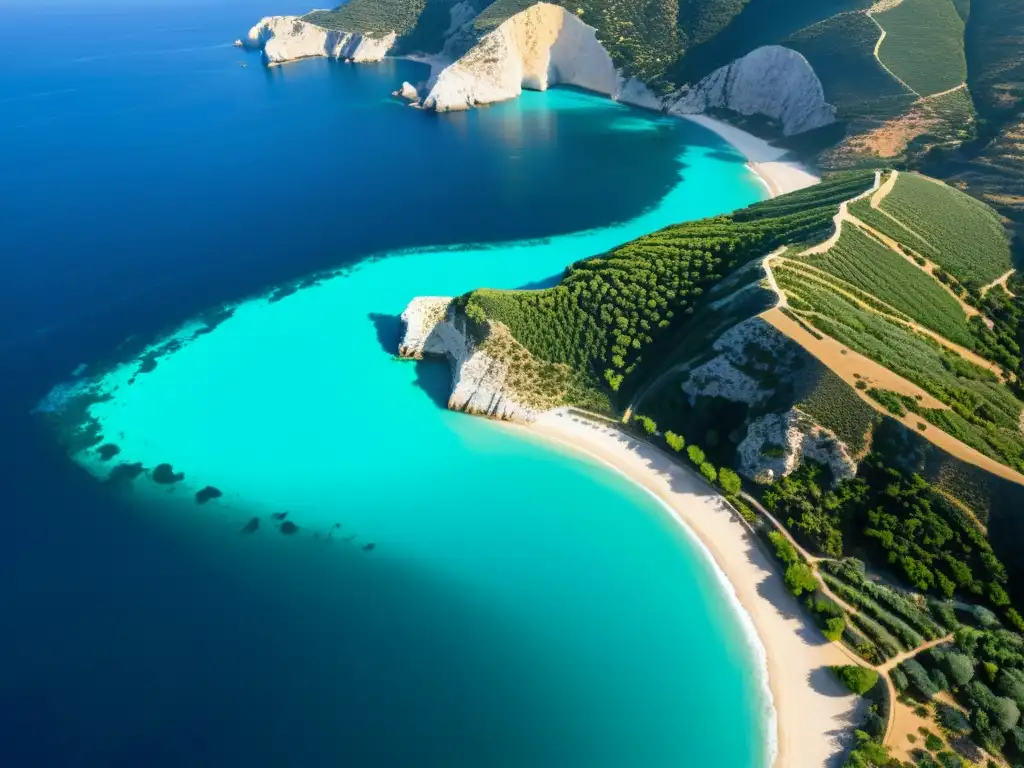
(766, 162)
(808, 710)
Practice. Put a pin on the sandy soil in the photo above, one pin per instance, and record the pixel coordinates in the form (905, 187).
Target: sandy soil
(814, 712)
(779, 176)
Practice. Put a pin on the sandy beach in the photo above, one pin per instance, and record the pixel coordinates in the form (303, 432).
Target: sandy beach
(778, 175)
(813, 712)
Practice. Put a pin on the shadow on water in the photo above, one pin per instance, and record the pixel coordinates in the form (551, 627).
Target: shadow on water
(547, 282)
(389, 331)
(726, 157)
(434, 377)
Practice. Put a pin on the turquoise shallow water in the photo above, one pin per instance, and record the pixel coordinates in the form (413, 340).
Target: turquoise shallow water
(519, 606)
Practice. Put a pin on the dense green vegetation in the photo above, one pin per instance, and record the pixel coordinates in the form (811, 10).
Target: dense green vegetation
(983, 670)
(371, 17)
(859, 259)
(841, 50)
(957, 232)
(924, 45)
(608, 311)
(760, 22)
(897, 518)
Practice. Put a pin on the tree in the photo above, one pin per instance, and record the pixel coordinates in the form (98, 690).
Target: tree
(784, 550)
(860, 680)
(800, 578)
(953, 719)
(675, 442)
(939, 679)
(899, 679)
(648, 424)
(990, 670)
(729, 481)
(696, 454)
(1005, 713)
(959, 668)
(708, 470)
(834, 629)
(919, 679)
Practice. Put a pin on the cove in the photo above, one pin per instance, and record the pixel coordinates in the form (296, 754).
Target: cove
(518, 606)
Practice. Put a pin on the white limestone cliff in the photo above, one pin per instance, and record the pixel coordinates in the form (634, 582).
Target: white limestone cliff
(287, 38)
(773, 81)
(777, 443)
(536, 48)
(479, 382)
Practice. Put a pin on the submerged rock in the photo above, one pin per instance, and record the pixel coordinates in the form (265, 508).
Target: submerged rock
(252, 526)
(209, 492)
(164, 474)
(107, 451)
(125, 472)
(369, 547)
(280, 515)
(288, 528)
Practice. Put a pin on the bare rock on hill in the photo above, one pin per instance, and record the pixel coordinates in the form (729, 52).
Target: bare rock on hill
(772, 80)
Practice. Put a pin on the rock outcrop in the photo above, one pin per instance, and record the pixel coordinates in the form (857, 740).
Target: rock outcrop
(773, 81)
(480, 382)
(534, 49)
(407, 91)
(287, 38)
(777, 443)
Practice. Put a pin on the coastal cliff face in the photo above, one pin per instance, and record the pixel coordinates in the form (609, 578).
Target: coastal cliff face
(534, 49)
(480, 381)
(287, 38)
(773, 81)
(752, 363)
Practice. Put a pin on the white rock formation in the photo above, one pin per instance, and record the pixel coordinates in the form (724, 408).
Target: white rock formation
(408, 91)
(773, 81)
(479, 382)
(776, 444)
(536, 48)
(736, 373)
(287, 38)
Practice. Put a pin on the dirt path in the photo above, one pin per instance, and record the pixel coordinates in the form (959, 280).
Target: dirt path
(883, 191)
(946, 92)
(841, 215)
(897, 660)
(878, 47)
(1001, 280)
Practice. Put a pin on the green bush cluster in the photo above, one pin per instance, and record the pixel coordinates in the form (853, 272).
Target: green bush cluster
(857, 679)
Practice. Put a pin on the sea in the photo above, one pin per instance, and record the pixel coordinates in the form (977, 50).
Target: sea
(203, 266)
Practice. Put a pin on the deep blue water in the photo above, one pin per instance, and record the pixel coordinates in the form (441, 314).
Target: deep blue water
(149, 176)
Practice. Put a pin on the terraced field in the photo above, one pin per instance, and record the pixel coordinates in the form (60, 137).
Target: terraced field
(964, 236)
(860, 260)
(924, 45)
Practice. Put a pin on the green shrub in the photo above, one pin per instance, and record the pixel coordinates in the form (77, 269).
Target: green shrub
(953, 719)
(675, 442)
(696, 454)
(784, 549)
(729, 481)
(860, 680)
(708, 470)
(932, 742)
(800, 578)
(919, 679)
(647, 424)
(834, 629)
(899, 679)
(959, 668)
